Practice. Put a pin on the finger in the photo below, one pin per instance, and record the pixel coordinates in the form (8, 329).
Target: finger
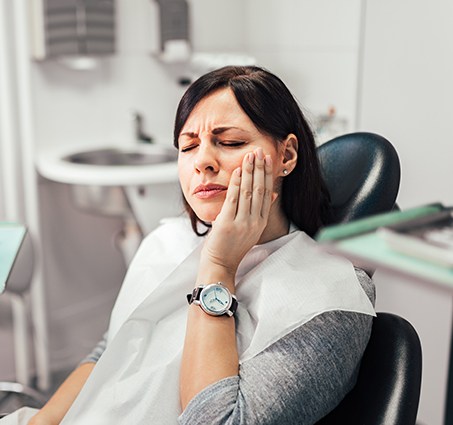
(268, 187)
(258, 183)
(229, 208)
(245, 193)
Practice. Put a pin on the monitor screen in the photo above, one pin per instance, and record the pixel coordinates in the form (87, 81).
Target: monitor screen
(11, 238)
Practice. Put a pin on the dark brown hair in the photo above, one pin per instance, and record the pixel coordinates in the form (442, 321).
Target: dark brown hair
(274, 111)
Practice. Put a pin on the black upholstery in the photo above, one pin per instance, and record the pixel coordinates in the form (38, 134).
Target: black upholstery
(362, 173)
(388, 386)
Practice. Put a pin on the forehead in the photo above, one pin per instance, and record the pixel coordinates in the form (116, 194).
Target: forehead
(218, 109)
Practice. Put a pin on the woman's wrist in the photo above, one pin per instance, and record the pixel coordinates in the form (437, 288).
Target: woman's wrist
(210, 273)
(43, 418)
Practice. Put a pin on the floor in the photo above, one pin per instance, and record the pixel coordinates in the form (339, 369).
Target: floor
(9, 402)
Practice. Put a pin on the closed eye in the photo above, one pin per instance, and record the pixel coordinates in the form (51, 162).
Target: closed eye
(188, 148)
(226, 143)
(232, 143)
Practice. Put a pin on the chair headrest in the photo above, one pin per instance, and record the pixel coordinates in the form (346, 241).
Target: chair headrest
(362, 173)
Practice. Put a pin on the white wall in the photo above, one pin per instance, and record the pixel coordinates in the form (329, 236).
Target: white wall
(218, 25)
(407, 92)
(73, 106)
(313, 46)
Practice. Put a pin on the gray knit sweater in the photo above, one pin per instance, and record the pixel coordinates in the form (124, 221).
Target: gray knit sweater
(297, 380)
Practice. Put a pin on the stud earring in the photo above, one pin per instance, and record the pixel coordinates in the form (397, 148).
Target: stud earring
(285, 172)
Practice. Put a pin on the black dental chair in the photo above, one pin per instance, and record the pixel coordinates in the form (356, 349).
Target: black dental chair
(362, 172)
(387, 391)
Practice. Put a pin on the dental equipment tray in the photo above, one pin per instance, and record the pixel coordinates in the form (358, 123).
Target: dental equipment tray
(428, 238)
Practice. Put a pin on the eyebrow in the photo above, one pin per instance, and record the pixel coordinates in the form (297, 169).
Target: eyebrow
(220, 130)
(216, 131)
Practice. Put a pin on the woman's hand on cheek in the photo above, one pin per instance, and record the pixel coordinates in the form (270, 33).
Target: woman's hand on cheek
(244, 214)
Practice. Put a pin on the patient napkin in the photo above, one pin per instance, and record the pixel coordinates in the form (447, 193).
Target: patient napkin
(280, 286)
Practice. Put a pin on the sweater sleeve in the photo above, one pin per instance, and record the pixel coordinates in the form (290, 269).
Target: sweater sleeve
(97, 351)
(297, 380)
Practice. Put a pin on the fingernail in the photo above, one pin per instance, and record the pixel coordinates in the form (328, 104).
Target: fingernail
(259, 153)
(238, 171)
(250, 157)
(268, 160)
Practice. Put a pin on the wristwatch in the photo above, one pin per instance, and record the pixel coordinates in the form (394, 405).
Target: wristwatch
(214, 299)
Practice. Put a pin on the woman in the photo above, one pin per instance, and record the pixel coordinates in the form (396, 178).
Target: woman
(274, 329)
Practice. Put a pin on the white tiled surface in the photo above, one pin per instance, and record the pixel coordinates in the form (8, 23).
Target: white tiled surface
(408, 90)
(313, 46)
(318, 78)
(218, 25)
(302, 23)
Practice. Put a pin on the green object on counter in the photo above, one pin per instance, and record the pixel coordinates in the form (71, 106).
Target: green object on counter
(369, 224)
(371, 249)
(11, 237)
(359, 242)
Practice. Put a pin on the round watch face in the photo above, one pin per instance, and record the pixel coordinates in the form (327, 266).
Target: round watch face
(215, 299)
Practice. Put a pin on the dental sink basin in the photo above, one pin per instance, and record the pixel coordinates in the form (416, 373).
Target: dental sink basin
(121, 157)
(109, 165)
(113, 180)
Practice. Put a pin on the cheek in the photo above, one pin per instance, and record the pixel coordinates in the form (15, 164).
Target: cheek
(231, 162)
(276, 170)
(184, 175)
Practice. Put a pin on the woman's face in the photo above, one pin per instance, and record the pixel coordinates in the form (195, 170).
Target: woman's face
(212, 143)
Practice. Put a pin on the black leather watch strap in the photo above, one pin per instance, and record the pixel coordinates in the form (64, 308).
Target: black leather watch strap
(234, 305)
(194, 295)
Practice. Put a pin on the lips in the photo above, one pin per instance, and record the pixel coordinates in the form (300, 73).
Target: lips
(206, 191)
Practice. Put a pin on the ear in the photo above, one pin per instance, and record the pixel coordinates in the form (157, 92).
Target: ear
(288, 155)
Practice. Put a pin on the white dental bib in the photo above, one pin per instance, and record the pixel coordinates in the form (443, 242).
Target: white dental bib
(280, 286)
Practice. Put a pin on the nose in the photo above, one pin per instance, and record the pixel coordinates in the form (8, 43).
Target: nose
(206, 159)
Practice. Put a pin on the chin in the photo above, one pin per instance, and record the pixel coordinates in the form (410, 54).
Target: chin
(207, 213)
(207, 217)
